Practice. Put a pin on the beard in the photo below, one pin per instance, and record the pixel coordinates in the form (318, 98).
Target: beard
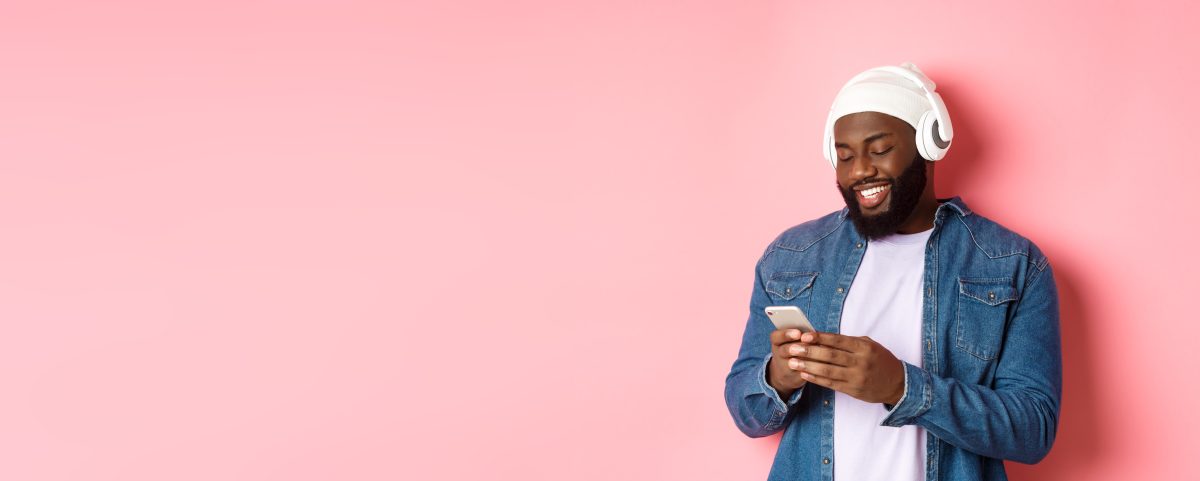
(904, 194)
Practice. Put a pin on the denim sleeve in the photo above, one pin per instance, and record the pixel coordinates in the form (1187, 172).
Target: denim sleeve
(756, 407)
(1018, 417)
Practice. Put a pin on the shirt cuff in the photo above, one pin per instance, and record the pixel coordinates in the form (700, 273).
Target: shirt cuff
(917, 398)
(770, 391)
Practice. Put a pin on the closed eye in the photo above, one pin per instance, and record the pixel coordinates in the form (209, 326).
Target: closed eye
(889, 149)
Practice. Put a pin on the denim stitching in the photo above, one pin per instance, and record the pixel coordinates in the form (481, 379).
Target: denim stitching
(932, 330)
(1041, 267)
(980, 247)
(988, 281)
(773, 422)
(812, 277)
(810, 244)
(928, 391)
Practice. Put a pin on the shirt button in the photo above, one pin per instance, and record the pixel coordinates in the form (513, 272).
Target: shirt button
(826, 460)
(991, 295)
(840, 290)
(788, 291)
(826, 402)
(859, 245)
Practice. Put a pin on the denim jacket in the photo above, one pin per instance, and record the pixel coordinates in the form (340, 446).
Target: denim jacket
(991, 379)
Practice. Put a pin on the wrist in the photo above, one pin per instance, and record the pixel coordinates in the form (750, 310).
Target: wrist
(899, 386)
(778, 384)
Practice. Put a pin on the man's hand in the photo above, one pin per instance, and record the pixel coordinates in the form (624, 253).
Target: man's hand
(782, 373)
(857, 366)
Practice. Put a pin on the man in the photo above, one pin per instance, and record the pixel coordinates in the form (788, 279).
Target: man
(937, 350)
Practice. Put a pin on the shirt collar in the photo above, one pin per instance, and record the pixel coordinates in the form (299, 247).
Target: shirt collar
(957, 204)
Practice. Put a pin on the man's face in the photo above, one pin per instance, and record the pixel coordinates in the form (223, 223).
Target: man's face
(879, 173)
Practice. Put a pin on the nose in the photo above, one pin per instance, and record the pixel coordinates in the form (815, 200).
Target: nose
(862, 167)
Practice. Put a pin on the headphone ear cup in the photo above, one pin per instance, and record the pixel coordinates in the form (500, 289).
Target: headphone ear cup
(830, 151)
(927, 144)
(827, 145)
(922, 128)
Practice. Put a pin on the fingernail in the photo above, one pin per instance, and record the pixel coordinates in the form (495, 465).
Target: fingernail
(794, 334)
(794, 363)
(809, 337)
(797, 350)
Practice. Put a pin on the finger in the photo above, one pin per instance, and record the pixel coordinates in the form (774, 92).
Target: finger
(794, 348)
(829, 355)
(794, 364)
(834, 384)
(837, 341)
(823, 370)
(781, 336)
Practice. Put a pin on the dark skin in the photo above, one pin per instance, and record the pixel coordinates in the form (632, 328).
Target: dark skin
(870, 146)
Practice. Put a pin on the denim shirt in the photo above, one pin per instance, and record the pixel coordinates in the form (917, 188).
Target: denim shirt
(991, 376)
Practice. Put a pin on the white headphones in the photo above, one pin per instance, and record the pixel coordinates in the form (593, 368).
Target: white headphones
(934, 130)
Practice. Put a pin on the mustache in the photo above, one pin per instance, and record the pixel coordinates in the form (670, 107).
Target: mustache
(891, 182)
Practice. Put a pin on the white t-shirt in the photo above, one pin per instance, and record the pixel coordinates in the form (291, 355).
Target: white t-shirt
(884, 303)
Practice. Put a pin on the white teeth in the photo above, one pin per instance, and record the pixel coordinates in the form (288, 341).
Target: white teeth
(873, 191)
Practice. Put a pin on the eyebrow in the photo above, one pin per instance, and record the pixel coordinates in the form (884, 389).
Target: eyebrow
(867, 140)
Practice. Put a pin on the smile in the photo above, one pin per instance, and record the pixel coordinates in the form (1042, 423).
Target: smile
(871, 197)
(872, 192)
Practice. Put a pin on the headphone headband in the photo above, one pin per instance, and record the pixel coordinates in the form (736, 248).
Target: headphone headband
(941, 132)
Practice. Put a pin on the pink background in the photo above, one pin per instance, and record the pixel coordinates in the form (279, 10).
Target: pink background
(515, 240)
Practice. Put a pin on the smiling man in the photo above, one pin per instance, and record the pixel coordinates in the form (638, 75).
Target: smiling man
(937, 353)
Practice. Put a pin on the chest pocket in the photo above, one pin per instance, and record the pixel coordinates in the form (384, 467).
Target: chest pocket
(791, 288)
(983, 305)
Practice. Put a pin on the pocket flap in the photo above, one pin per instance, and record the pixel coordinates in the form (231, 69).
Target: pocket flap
(988, 290)
(788, 285)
